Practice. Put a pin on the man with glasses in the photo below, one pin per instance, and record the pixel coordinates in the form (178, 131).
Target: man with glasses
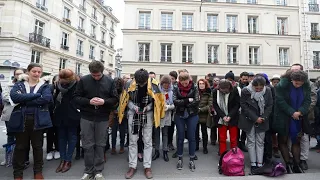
(96, 96)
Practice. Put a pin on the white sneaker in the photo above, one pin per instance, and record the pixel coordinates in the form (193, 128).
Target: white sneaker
(50, 156)
(185, 141)
(86, 176)
(56, 155)
(99, 177)
(3, 163)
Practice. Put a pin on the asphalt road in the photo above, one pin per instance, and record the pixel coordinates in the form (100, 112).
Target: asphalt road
(116, 166)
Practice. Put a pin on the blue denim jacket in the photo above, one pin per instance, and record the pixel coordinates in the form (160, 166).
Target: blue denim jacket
(40, 98)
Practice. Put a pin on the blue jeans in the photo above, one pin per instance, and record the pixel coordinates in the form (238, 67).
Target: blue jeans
(191, 123)
(318, 140)
(122, 129)
(67, 138)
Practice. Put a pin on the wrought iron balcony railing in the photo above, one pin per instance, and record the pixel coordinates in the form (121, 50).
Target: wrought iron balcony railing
(39, 39)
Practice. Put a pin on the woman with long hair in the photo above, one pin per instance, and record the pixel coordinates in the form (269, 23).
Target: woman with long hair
(204, 113)
(29, 118)
(186, 100)
(256, 106)
(67, 117)
(291, 115)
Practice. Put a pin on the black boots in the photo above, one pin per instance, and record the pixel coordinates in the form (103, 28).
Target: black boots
(289, 168)
(192, 165)
(156, 155)
(165, 156)
(205, 150)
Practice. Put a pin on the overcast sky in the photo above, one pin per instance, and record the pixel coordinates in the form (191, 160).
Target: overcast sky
(118, 11)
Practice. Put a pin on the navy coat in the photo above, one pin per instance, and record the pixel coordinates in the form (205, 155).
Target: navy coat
(40, 99)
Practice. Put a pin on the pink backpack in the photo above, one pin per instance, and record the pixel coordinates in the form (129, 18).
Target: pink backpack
(232, 163)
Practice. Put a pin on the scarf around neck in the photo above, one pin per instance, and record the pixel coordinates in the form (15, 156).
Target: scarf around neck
(185, 90)
(258, 96)
(296, 98)
(64, 90)
(222, 100)
(168, 94)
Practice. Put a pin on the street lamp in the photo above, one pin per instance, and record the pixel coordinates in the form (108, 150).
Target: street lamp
(118, 65)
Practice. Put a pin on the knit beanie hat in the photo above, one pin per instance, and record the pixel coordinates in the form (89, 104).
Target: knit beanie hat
(229, 75)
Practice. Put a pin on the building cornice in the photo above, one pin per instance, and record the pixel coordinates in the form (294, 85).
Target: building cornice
(204, 33)
(210, 4)
(106, 11)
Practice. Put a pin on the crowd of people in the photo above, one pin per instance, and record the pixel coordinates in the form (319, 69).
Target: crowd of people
(262, 115)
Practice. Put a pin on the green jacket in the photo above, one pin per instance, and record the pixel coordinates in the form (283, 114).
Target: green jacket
(283, 110)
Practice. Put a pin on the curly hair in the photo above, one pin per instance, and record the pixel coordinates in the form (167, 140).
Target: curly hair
(141, 76)
(205, 82)
(296, 75)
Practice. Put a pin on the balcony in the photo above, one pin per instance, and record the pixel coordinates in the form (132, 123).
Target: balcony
(210, 61)
(81, 7)
(316, 63)
(42, 7)
(112, 30)
(165, 60)
(314, 7)
(39, 39)
(93, 36)
(94, 16)
(91, 57)
(187, 29)
(67, 20)
(65, 47)
(104, 24)
(111, 46)
(81, 29)
(232, 30)
(80, 53)
(101, 60)
(103, 41)
(282, 33)
(212, 29)
(315, 35)
(144, 27)
(231, 1)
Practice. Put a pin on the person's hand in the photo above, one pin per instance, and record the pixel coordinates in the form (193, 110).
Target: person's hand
(190, 99)
(296, 115)
(166, 107)
(145, 109)
(136, 109)
(99, 101)
(93, 101)
(259, 120)
(225, 119)
(228, 119)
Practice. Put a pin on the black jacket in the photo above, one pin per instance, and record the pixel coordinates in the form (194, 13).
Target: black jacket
(66, 113)
(233, 107)
(181, 103)
(88, 88)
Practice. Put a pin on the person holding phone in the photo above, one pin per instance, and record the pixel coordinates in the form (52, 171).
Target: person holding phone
(256, 104)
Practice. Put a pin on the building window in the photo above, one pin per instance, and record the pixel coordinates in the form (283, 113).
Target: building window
(187, 22)
(94, 13)
(104, 20)
(93, 31)
(91, 52)
(41, 2)
(313, 6)
(62, 64)
(112, 26)
(283, 56)
(232, 23)
(39, 27)
(144, 20)
(111, 41)
(315, 34)
(81, 21)
(103, 34)
(282, 26)
(211, 0)
(213, 54)
(187, 53)
(316, 59)
(212, 22)
(110, 60)
(101, 56)
(80, 47)
(232, 54)
(231, 1)
(78, 68)
(282, 2)
(252, 25)
(64, 41)
(144, 52)
(35, 56)
(166, 52)
(253, 56)
(66, 13)
(166, 21)
(252, 1)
